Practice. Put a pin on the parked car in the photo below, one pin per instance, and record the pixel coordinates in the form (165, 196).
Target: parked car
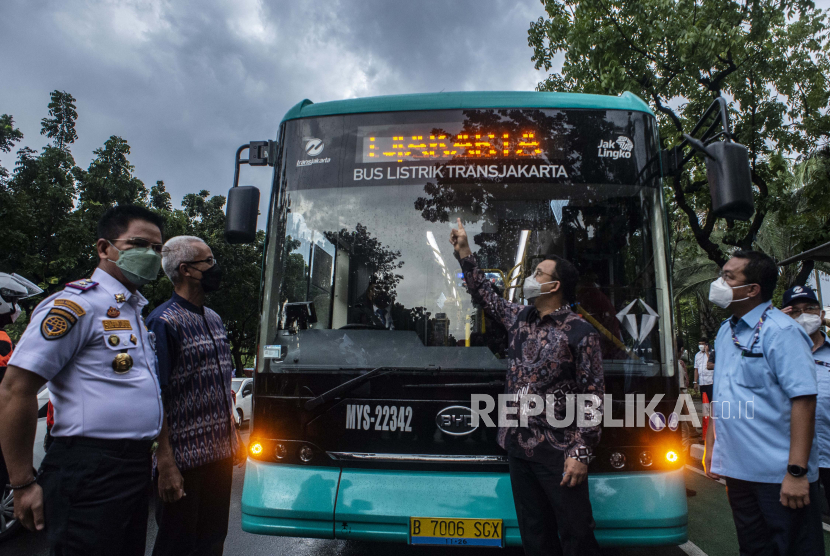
(243, 389)
(8, 524)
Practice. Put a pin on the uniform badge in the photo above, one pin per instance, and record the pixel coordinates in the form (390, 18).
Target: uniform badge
(133, 339)
(110, 325)
(83, 285)
(120, 298)
(122, 363)
(114, 340)
(71, 305)
(112, 312)
(57, 324)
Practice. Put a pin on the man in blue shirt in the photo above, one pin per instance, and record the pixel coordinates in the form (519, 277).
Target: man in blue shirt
(803, 306)
(763, 414)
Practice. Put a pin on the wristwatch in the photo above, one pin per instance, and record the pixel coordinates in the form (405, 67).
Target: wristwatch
(796, 470)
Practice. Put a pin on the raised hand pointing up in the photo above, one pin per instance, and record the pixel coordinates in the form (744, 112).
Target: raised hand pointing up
(458, 238)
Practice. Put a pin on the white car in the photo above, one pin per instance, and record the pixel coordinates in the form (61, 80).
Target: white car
(244, 389)
(8, 524)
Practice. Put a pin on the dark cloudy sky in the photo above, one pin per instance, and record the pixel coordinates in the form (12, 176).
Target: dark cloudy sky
(185, 82)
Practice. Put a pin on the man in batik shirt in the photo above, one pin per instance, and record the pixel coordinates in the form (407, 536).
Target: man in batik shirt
(198, 443)
(552, 352)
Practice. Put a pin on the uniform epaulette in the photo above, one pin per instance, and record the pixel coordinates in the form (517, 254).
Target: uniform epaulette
(83, 285)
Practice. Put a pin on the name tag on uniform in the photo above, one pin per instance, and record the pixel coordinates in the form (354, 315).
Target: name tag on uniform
(117, 325)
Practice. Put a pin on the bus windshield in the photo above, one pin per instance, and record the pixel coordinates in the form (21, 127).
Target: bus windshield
(359, 269)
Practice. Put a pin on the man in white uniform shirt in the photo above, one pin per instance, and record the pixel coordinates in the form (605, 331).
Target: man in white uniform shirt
(90, 343)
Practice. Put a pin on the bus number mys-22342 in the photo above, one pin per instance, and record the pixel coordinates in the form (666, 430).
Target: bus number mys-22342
(386, 418)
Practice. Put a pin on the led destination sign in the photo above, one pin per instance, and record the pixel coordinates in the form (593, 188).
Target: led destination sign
(418, 146)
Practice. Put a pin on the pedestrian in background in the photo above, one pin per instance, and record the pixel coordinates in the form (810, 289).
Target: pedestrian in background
(199, 443)
(767, 459)
(89, 341)
(703, 376)
(802, 305)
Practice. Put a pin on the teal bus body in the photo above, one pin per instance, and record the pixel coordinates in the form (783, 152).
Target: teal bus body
(332, 502)
(630, 509)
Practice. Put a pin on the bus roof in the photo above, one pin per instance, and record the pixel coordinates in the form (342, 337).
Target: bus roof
(467, 100)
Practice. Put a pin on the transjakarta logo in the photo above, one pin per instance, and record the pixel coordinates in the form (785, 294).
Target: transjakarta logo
(620, 149)
(471, 171)
(313, 147)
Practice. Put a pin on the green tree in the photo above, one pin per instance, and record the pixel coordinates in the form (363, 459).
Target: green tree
(60, 125)
(769, 58)
(9, 135)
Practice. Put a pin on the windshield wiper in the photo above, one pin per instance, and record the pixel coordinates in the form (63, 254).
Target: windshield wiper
(346, 387)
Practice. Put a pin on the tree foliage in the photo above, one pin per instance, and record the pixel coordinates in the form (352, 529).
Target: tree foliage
(768, 58)
(50, 209)
(60, 125)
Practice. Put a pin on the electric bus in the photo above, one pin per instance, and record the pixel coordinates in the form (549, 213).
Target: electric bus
(371, 349)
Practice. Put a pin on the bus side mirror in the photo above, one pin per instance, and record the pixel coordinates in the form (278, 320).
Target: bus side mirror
(241, 214)
(730, 180)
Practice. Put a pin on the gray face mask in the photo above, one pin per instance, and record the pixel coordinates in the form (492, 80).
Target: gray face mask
(533, 289)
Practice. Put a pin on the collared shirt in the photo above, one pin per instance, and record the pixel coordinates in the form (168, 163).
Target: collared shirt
(704, 375)
(753, 396)
(72, 341)
(822, 359)
(195, 372)
(557, 355)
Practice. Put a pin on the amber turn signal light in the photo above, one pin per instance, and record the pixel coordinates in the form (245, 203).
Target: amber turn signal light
(256, 448)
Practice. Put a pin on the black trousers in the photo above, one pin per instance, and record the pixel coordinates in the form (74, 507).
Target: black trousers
(197, 523)
(766, 527)
(824, 477)
(707, 389)
(96, 496)
(553, 520)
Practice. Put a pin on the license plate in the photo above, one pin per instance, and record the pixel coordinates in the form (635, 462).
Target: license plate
(455, 532)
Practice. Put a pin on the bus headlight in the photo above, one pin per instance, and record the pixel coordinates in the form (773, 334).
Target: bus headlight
(281, 451)
(646, 458)
(256, 448)
(671, 456)
(617, 460)
(306, 454)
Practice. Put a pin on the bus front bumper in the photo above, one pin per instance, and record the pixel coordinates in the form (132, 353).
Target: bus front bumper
(630, 509)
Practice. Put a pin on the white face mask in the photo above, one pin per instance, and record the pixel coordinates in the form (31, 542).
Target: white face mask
(720, 293)
(701, 348)
(533, 289)
(811, 323)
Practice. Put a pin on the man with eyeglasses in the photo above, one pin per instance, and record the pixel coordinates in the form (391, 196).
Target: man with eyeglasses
(90, 343)
(554, 356)
(760, 438)
(801, 304)
(199, 442)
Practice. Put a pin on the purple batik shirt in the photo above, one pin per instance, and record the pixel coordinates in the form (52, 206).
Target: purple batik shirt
(558, 354)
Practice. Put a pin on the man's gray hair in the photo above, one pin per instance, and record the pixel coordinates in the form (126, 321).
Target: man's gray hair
(178, 250)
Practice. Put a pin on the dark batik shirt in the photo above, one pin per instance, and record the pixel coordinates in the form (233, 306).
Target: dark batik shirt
(558, 354)
(195, 370)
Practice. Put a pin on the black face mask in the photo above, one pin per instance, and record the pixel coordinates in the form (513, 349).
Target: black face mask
(211, 279)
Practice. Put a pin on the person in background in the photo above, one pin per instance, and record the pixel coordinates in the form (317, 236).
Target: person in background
(199, 443)
(13, 288)
(548, 465)
(703, 375)
(802, 305)
(90, 343)
(769, 461)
